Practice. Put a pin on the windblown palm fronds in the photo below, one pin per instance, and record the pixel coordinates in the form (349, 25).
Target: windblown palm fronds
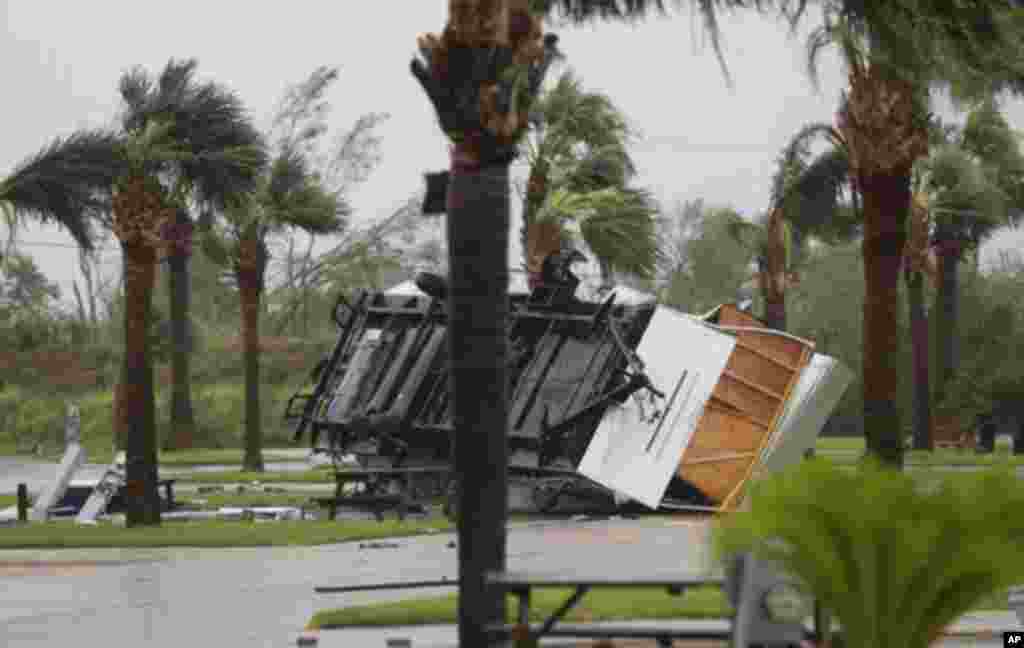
(68, 182)
(617, 224)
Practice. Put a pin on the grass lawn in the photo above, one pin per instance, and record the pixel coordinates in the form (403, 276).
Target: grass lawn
(314, 475)
(212, 533)
(597, 605)
(849, 449)
(838, 444)
(8, 500)
(212, 456)
(215, 501)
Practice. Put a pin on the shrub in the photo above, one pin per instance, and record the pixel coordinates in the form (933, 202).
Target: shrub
(896, 558)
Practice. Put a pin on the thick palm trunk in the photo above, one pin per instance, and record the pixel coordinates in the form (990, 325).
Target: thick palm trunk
(775, 284)
(478, 223)
(946, 310)
(141, 498)
(249, 281)
(536, 194)
(919, 341)
(182, 429)
(886, 201)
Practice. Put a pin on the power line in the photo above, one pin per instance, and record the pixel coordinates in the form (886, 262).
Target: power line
(54, 244)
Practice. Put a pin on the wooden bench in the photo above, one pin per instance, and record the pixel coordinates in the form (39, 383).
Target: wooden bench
(521, 585)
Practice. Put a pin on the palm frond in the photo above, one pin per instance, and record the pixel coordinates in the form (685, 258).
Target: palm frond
(206, 132)
(893, 575)
(68, 182)
(570, 115)
(619, 225)
(229, 152)
(584, 11)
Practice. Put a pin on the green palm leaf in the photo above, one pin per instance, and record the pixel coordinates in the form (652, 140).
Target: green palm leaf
(896, 557)
(68, 182)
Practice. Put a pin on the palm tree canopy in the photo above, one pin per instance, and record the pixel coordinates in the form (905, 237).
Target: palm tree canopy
(973, 48)
(292, 196)
(68, 182)
(203, 133)
(989, 138)
(583, 11)
(580, 132)
(618, 224)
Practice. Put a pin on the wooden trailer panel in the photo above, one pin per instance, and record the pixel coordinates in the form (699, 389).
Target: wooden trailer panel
(747, 401)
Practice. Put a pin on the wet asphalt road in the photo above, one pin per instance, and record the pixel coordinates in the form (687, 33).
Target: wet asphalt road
(263, 597)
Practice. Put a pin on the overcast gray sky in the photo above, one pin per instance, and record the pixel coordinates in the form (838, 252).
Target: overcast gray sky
(703, 139)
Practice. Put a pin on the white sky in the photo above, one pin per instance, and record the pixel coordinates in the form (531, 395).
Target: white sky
(703, 140)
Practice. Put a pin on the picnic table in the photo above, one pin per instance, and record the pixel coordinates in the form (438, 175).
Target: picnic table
(521, 585)
(376, 503)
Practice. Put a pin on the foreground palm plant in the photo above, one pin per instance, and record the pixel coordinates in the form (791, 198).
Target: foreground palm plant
(895, 558)
(481, 75)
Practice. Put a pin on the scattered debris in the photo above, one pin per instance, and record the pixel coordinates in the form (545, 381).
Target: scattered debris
(379, 545)
(274, 489)
(451, 544)
(202, 490)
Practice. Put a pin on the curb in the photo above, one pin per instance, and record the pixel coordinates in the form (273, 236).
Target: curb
(311, 638)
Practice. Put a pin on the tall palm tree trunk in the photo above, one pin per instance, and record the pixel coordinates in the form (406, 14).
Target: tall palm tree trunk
(142, 500)
(536, 194)
(478, 224)
(182, 429)
(886, 196)
(919, 351)
(775, 294)
(249, 276)
(946, 310)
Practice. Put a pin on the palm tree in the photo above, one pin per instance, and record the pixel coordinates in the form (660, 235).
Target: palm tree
(217, 128)
(943, 181)
(288, 195)
(984, 187)
(481, 75)
(578, 141)
(181, 142)
(67, 183)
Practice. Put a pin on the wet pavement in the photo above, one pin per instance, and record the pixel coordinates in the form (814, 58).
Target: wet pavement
(263, 597)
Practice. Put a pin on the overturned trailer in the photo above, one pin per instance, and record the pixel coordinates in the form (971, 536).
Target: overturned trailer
(615, 402)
